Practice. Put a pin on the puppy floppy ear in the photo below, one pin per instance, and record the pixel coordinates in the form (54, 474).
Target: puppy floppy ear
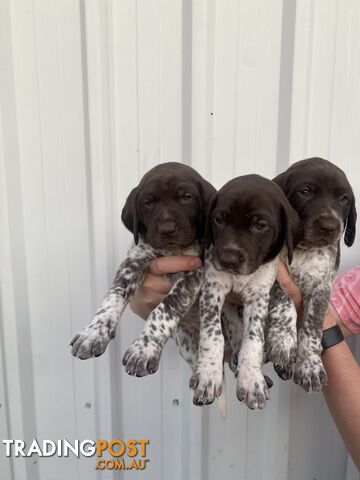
(291, 225)
(129, 215)
(350, 229)
(282, 181)
(208, 235)
(207, 191)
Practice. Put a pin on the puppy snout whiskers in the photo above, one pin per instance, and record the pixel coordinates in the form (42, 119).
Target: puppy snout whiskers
(327, 224)
(229, 258)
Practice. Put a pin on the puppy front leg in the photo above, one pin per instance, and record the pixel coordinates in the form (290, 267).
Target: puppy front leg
(281, 332)
(94, 338)
(309, 370)
(187, 340)
(251, 384)
(207, 379)
(143, 355)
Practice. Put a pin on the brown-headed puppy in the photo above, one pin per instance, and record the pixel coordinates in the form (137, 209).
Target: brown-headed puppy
(323, 198)
(249, 220)
(166, 213)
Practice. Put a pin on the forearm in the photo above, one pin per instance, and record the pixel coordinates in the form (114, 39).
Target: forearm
(342, 393)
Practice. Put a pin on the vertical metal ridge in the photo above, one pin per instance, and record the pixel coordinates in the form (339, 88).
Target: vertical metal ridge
(235, 140)
(186, 87)
(112, 252)
(86, 116)
(308, 78)
(5, 380)
(285, 85)
(210, 57)
(4, 25)
(330, 123)
(137, 89)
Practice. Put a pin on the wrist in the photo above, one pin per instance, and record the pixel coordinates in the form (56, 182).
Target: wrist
(331, 336)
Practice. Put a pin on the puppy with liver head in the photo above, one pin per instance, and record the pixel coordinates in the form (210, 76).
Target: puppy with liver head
(166, 213)
(249, 220)
(322, 196)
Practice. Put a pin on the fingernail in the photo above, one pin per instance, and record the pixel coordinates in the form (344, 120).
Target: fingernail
(196, 263)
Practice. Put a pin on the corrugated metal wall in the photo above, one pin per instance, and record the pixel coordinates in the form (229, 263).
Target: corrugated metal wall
(93, 94)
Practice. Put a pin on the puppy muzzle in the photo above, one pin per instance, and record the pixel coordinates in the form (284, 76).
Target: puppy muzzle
(324, 229)
(232, 260)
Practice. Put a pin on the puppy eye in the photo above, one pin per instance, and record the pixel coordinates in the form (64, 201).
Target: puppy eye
(148, 203)
(260, 226)
(187, 197)
(343, 199)
(219, 219)
(305, 192)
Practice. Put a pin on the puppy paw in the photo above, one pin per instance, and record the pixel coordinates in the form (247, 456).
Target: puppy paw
(285, 372)
(252, 388)
(207, 385)
(310, 373)
(282, 351)
(91, 341)
(141, 358)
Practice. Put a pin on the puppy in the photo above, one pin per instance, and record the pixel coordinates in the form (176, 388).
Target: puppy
(166, 213)
(248, 222)
(322, 196)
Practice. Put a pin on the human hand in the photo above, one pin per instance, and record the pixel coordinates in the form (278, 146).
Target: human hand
(154, 287)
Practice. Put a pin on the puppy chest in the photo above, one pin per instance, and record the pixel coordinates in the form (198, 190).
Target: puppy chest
(258, 283)
(313, 266)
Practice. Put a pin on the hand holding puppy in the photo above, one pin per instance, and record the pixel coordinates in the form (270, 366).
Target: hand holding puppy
(155, 287)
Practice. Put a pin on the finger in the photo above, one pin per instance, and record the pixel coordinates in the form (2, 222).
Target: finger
(174, 264)
(282, 275)
(288, 285)
(155, 284)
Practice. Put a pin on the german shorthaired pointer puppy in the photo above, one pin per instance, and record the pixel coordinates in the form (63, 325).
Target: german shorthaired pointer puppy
(166, 213)
(249, 221)
(322, 196)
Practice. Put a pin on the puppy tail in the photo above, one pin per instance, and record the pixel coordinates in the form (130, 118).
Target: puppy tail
(222, 400)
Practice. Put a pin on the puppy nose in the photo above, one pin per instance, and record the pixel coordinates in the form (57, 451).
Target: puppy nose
(327, 224)
(229, 257)
(167, 228)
